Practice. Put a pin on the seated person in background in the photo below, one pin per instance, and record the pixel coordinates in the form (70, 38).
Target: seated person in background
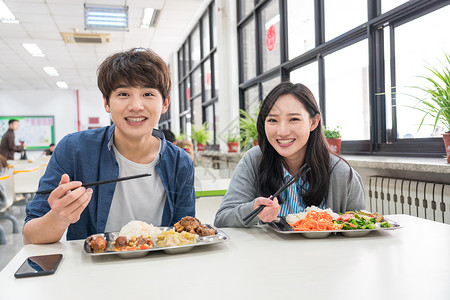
(50, 149)
(169, 136)
(188, 147)
(135, 85)
(290, 134)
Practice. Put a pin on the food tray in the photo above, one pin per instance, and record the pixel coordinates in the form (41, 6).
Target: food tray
(110, 237)
(281, 226)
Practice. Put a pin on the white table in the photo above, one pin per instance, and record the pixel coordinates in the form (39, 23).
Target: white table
(409, 263)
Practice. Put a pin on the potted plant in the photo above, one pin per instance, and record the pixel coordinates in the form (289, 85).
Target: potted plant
(249, 133)
(200, 135)
(333, 138)
(233, 142)
(437, 100)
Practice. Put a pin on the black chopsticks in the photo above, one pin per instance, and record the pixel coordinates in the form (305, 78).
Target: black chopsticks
(102, 182)
(247, 219)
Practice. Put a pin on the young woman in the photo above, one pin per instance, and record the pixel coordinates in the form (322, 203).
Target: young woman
(290, 134)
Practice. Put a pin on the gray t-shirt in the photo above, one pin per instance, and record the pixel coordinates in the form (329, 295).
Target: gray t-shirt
(140, 199)
(343, 195)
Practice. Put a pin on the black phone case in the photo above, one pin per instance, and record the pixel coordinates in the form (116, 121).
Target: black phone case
(40, 273)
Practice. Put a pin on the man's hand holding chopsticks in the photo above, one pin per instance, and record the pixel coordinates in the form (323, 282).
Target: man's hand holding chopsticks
(270, 212)
(69, 200)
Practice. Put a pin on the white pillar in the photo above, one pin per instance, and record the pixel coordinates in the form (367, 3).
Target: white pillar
(227, 69)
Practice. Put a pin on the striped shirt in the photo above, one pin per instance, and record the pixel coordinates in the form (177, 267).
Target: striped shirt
(292, 196)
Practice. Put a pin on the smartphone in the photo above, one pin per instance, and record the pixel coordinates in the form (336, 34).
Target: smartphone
(39, 265)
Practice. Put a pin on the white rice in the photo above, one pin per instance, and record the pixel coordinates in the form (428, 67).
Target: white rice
(292, 218)
(138, 228)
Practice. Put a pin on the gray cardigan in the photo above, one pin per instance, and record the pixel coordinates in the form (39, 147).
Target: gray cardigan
(343, 195)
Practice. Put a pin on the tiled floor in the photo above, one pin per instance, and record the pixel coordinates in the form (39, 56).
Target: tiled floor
(13, 241)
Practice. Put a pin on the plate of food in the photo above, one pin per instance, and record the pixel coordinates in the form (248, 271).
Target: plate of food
(318, 223)
(137, 239)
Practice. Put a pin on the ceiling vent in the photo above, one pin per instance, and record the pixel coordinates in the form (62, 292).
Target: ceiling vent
(85, 38)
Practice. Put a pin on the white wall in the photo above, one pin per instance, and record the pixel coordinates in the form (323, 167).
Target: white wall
(60, 104)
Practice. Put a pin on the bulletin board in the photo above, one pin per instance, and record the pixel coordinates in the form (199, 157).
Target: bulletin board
(37, 132)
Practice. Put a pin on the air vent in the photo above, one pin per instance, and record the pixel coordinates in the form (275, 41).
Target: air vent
(85, 38)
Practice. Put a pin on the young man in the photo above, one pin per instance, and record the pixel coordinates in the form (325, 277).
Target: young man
(8, 146)
(135, 85)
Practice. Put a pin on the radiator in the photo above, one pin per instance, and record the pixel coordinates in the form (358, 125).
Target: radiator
(428, 200)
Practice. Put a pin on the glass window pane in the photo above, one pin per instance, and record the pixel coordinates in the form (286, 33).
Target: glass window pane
(197, 112)
(347, 91)
(387, 5)
(195, 47)
(249, 51)
(213, 18)
(270, 39)
(196, 77)
(252, 100)
(268, 85)
(308, 75)
(301, 34)
(207, 79)
(418, 44)
(180, 64)
(205, 27)
(182, 96)
(216, 82)
(343, 15)
(246, 6)
(210, 119)
(186, 58)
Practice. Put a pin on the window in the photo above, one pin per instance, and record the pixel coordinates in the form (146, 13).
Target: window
(417, 46)
(308, 75)
(351, 55)
(300, 18)
(270, 36)
(347, 91)
(249, 50)
(343, 15)
(197, 80)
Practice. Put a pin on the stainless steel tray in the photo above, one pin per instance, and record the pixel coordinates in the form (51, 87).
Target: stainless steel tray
(281, 226)
(110, 237)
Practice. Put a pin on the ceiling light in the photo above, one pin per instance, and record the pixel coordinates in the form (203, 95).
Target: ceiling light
(113, 17)
(51, 71)
(149, 17)
(6, 16)
(62, 85)
(33, 49)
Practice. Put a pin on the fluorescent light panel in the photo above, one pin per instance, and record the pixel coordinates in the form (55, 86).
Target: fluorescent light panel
(33, 49)
(51, 71)
(149, 17)
(6, 16)
(106, 17)
(62, 85)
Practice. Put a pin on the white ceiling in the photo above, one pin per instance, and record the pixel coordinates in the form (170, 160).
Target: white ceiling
(42, 21)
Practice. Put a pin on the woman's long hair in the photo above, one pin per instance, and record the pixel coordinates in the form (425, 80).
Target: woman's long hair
(270, 173)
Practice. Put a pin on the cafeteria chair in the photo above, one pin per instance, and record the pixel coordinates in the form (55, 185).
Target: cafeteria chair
(8, 196)
(26, 179)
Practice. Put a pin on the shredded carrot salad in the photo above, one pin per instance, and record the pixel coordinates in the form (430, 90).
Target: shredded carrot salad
(315, 221)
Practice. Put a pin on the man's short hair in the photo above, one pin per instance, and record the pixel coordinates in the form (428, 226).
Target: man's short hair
(12, 121)
(138, 67)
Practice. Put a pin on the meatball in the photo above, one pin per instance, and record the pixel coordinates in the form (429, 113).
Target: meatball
(121, 241)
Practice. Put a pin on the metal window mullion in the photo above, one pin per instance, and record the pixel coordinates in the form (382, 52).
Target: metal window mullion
(319, 20)
(393, 85)
(258, 30)
(284, 56)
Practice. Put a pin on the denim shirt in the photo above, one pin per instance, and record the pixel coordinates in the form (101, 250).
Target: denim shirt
(87, 156)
